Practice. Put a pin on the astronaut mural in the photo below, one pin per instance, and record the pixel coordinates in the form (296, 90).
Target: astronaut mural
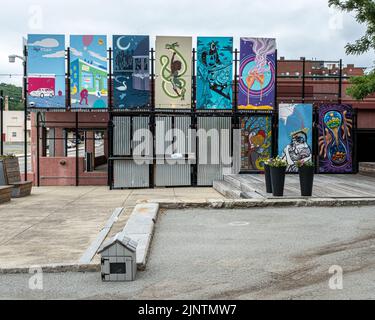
(335, 139)
(295, 134)
(131, 72)
(256, 89)
(214, 65)
(256, 142)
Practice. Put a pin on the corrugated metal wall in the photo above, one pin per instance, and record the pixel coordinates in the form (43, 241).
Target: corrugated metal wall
(178, 174)
(121, 136)
(128, 174)
(207, 173)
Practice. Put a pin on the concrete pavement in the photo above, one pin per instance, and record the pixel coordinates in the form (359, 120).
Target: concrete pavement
(260, 253)
(55, 225)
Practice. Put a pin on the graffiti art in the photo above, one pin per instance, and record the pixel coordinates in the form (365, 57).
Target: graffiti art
(257, 74)
(335, 139)
(295, 134)
(131, 72)
(46, 71)
(88, 72)
(214, 65)
(256, 142)
(173, 72)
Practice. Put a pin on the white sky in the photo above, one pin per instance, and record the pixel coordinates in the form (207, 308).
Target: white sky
(302, 27)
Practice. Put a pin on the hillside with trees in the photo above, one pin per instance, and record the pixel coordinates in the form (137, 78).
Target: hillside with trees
(15, 95)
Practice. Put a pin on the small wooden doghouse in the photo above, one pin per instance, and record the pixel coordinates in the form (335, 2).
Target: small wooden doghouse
(118, 259)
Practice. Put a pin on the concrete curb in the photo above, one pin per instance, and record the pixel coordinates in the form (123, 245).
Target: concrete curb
(260, 203)
(53, 268)
(140, 227)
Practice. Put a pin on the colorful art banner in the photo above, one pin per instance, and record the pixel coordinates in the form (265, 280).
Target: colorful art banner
(173, 72)
(256, 142)
(131, 72)
(88, 72)
(46, 71)
(335, 143)
(295, 134)
(214, 70)
(257, 74)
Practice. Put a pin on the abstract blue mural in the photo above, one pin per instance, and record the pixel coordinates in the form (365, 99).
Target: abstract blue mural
(131, 72)
(295, 133)
(214, 80)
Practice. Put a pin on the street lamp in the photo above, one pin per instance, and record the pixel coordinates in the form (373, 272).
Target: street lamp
(12, 59)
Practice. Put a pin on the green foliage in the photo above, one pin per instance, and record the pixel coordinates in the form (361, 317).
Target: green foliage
(8, 156)
(15, 96)
(364, 11)
(362, 86)
(301, 164)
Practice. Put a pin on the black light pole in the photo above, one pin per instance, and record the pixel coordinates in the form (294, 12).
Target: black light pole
(2, 121)
(25, 104)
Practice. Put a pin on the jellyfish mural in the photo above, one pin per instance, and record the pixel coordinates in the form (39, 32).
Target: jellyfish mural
(335, 139)
(257, 73)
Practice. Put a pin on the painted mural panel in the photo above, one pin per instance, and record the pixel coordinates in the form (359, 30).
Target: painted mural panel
(173, 72)
(257, 74)
(214, 70)
(295, 134)
(88, 72)
(256, 142)
(335, 139)
(46, 71)
(131, 72)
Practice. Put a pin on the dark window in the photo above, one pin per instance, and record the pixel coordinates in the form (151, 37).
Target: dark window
(117, 268)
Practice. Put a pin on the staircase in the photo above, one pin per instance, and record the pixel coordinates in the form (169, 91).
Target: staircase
(235, 186)
(367, 168)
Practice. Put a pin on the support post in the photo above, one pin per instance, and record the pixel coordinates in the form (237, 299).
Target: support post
(38, 148)
(77, 150)
(303, 79)
(25, 107)
(2, 121)
(340, 83)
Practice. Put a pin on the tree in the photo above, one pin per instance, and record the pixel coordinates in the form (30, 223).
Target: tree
(364, 11)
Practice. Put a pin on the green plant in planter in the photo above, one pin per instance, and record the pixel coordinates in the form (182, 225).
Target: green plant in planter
(306, 164)
(278, 162)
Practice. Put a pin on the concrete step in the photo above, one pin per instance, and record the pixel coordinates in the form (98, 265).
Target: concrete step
(367, 168)
(227, 189)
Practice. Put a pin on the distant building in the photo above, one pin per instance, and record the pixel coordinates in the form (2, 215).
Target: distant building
(14, 126)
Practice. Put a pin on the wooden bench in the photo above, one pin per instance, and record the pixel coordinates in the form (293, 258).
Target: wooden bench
(12, 177)
(5, 193)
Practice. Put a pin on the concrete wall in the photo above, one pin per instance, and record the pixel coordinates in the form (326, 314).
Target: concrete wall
(14, 126)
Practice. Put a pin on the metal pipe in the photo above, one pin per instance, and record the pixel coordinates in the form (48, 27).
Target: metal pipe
(2, 121)
(38, 148)
(25, 107)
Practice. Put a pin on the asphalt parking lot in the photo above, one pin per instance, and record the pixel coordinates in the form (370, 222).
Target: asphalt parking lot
(236, 254)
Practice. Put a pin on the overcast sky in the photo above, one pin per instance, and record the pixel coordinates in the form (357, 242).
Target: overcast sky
(302, 27)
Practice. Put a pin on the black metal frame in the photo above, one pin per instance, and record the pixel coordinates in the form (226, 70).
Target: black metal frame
(152, 112)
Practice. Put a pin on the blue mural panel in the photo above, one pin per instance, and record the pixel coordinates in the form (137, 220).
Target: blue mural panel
(46, 71)
(295, 134)
(88, 72)
(131, 72)
(214, 68)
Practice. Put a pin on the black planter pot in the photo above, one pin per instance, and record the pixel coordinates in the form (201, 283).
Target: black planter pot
(306, 179)
(267, 173)
(278, 180)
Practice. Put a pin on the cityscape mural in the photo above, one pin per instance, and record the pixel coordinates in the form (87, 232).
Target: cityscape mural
(88, 72)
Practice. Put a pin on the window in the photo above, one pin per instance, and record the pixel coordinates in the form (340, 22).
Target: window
(117, 268)
(14, 134)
